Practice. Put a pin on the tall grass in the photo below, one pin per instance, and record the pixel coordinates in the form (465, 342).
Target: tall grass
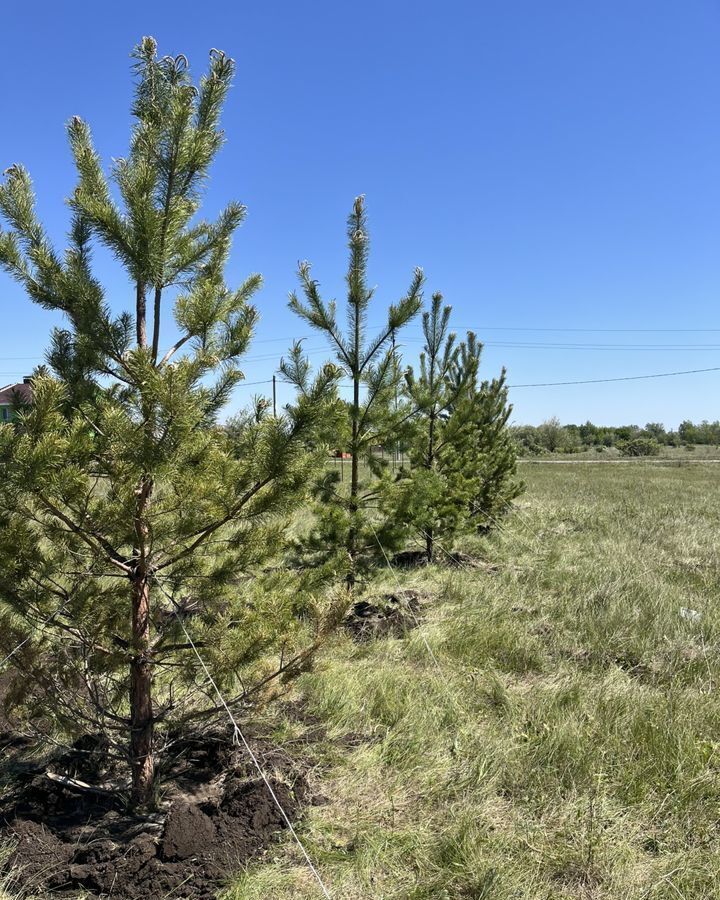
(567, 744)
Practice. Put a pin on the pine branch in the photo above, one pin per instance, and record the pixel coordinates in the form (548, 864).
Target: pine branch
(92, 539)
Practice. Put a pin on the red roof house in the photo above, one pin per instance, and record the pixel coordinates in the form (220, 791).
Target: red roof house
(13, 395)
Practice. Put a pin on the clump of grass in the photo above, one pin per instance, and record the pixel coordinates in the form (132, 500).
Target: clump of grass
(11, 883)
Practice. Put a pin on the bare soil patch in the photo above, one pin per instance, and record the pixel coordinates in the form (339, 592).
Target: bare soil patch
(382, 615)
(214, 814)
(415, 559)
(410, 559)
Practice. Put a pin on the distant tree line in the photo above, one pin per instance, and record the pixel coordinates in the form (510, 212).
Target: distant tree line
(631, 440)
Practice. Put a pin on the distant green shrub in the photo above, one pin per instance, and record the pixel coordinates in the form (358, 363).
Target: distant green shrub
(639, 446)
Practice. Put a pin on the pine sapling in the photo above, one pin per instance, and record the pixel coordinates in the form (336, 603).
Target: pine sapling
(370, 363)
(126, 509)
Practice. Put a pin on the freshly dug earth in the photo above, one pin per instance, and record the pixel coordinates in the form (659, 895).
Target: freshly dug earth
(386, 614)
(214, 814)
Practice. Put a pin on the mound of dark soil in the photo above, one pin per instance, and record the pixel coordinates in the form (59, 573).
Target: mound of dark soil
(414, 559)
(214, 814)
(386, 614)
(465, 561)
(410, 559)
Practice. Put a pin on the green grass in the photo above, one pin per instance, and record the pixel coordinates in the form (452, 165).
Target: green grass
(566, 744)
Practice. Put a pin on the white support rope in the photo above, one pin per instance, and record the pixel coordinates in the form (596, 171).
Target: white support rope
(239, 737)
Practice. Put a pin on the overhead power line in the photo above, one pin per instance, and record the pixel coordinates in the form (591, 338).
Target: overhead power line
(507, 344)
(589, 330)
(623, 378)
(606, 348)
(594, 346)
(552, 383)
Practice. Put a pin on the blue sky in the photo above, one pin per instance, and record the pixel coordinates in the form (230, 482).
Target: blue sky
(554, 167)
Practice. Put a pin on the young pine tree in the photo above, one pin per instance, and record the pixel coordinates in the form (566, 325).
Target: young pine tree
(462, 454)
(371, 419)
(485, 452)
(434, 496)
(125, 508)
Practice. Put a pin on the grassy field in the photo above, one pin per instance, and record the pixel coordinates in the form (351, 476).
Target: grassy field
(551, 731)
(552, 728)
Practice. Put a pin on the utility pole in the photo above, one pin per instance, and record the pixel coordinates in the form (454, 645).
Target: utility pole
(274, 399)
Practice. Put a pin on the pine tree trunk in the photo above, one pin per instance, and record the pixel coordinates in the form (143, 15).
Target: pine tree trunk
(430, 465)
(156, 323)
(141, 707)
(141, 315)
(352, 536)
(354, 480)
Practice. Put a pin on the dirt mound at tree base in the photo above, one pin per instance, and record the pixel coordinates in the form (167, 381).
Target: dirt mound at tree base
(391, 614)
(216, 813)
(413, 559)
